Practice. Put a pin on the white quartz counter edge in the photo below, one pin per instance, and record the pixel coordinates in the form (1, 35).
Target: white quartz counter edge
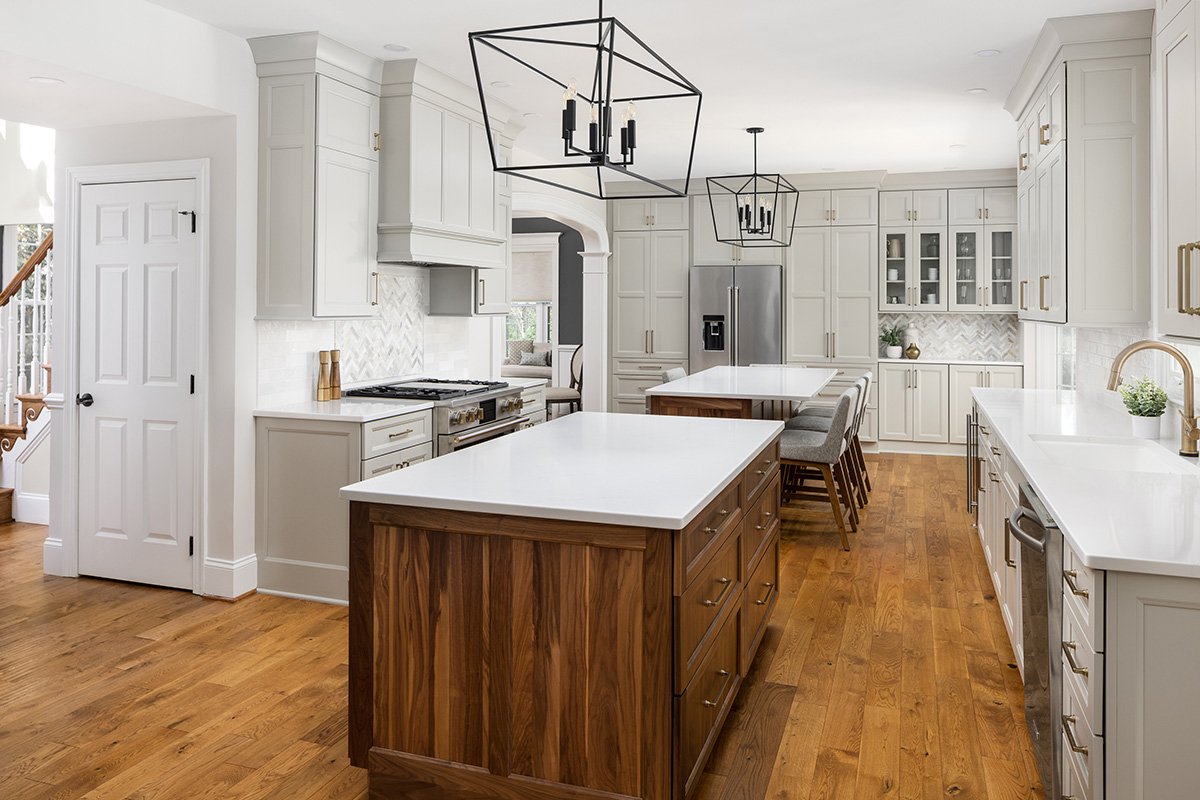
(1071, 514)
(391, 489)
(348, 409)
(952, 362)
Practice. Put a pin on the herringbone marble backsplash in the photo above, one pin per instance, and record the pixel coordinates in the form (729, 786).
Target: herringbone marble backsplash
(967, 337)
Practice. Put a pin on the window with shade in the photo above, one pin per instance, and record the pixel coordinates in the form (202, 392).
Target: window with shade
(533, 281)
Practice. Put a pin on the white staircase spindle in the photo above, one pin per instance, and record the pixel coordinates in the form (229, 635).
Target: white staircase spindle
(35, 336)
(12, 350)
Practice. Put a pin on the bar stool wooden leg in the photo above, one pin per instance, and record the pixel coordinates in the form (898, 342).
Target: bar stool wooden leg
(827, 473)
(840, 474)
(862, 462)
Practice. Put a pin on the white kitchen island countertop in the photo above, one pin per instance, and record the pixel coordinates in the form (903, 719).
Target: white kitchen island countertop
(1114, 519)
(348, 409)
(751, 383)
(619, 469)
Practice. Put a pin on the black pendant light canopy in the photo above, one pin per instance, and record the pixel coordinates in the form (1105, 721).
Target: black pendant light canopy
(755, 210)
(628, 96)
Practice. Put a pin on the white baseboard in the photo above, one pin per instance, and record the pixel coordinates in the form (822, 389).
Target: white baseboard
(923, 448)
(311, 598)
(230, 579)
(53, 560)
(34, 508)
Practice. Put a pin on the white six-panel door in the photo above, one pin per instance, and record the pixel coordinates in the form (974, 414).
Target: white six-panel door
(138, 335)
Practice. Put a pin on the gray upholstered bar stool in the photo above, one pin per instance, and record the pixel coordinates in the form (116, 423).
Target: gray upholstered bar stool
(674, 374)
(804, 455)
(816, 418)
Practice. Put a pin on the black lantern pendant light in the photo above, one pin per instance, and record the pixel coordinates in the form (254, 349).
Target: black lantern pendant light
(755, 210)
(626, 78)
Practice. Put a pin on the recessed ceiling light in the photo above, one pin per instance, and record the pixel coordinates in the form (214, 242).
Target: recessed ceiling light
(396, 48)
(976, 90)
(531, 115)
(987, 53)
(957, 146)
(501, 84)
(45, 79)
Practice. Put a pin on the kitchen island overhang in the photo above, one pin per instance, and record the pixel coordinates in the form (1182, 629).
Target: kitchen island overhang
(563, 613)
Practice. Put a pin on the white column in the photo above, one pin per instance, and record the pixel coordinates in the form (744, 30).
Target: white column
(595, 330)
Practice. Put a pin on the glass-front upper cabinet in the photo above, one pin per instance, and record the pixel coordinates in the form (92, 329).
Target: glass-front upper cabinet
(966, 292)
(984, 266)
(913, 272)
(1002, 270)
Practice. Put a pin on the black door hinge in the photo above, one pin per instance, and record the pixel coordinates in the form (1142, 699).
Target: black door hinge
(191, 545)
(193, 389)
(193, 216)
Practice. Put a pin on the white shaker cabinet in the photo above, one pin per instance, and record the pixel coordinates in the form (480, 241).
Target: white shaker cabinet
(926, 207)
(468, 292)
(982, 269)
(964, 378)
(830, 295)
(913, 402)
(318, 198)
(662, 213)
(649, 304)
(707, 250)
(912, 276)
(983, 206)
(837, 207)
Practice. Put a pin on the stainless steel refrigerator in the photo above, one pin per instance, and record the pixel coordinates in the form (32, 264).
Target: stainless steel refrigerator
(736, 316)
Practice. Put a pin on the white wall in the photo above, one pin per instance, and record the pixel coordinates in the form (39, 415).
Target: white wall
(27, 167)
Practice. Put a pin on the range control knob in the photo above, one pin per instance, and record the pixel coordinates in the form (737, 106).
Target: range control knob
(477, 414)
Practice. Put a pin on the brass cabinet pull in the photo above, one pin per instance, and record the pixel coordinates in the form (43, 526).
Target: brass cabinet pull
(835, 214)
(652, 220)
(983, 429)
(650, 366)
(979, 211)
(652, 341)
(995, 450)
(1021, 162)
(768, 515)
(375, 302)
(833, 345)
(1022, 304)
(1068, 720)
(712, 703)
(1069, 575)
(767, 596)
(982, 485)
(377, 143)
(726, 582)
(1069, 651)
(992, 475)
(388, 468)
(827, 216)
(1008, 559)
(1042, 292)
(1182, 308)
(987, 213)
(1185, 281)
(1044, 134)
(398, 435)
(482, 292)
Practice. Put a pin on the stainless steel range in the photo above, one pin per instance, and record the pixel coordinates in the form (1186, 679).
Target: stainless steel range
(465, 412)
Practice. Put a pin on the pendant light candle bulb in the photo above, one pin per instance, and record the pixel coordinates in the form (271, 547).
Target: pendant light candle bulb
(631, 125)
(593, 132)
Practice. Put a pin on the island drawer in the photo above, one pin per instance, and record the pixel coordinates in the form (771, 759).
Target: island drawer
(762, 588)
(382, 465)
(705, 603)
(1083, 591)
(1077, 735)
(761, 521)
(701, 709)
(1083, 667)
(393, 433)
(707, 532)
(758, 474)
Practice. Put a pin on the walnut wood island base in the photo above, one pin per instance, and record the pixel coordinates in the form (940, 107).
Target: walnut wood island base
(504, 656)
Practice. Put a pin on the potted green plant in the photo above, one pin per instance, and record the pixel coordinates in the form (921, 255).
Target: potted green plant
(893, 339)
(1146, 402)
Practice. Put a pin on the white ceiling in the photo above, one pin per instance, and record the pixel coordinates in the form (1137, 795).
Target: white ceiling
(873, 84)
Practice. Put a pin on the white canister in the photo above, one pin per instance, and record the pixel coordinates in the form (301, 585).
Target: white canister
(893, 274)
(1146, 427)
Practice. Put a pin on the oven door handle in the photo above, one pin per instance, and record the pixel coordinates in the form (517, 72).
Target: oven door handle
(487, 433)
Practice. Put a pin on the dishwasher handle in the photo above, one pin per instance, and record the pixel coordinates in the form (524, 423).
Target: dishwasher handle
(1014, 523)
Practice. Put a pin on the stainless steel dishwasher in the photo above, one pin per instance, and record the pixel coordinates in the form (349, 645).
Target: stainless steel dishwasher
(1041, 609)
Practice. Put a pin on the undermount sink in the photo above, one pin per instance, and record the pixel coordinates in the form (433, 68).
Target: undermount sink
(1112, 455)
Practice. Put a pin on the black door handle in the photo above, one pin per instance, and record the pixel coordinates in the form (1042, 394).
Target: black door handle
(84, 400)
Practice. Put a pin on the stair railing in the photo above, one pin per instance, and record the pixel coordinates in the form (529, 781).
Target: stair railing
(24, 324)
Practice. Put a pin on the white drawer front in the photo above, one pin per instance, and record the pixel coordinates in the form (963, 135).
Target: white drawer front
(620, 406)
(1088, 768)
(382, 465)
(1083, 591)
(533, 400)
(625, 386)
(636, 367)
(393, 433)
(1086, 672)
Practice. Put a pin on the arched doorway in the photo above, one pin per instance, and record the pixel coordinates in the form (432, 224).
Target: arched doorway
(595, 255)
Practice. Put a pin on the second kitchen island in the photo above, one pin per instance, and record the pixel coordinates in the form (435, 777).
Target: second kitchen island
(567, 612)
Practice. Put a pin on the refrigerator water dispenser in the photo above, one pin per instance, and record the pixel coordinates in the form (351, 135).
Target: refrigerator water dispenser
(714, 332)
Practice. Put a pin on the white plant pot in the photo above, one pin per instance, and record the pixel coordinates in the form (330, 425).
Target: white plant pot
(1146, 427)
(895, 351)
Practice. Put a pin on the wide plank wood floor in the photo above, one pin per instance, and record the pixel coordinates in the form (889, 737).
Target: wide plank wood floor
(885, 672)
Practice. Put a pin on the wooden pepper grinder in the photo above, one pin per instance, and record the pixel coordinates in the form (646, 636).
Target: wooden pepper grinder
(335, 375)
(323, 377)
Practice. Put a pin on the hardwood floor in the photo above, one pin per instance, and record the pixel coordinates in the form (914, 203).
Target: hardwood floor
(885, 672)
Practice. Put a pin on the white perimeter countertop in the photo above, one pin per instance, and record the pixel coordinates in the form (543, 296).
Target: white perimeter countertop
(348, 409)
(951, 361)
(752, 383)
(1127, 521)
(619, 469)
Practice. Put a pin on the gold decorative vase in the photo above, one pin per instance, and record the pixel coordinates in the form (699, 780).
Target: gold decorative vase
(913, 351)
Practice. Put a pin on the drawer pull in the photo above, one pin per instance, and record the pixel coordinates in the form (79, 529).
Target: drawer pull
(398, 435)
(1068, 720)
(1069, 575)
(1069, 652)
(983, 429)
(650, 366)
(768, 515)
(388, 468)
(721, 691)
(760, 472)
(767, 596)
(995, 450)
(726, 582)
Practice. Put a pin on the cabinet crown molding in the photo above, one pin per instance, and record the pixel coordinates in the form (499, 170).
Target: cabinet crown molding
(1089, 36)
(408, 77)
(312, 51)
